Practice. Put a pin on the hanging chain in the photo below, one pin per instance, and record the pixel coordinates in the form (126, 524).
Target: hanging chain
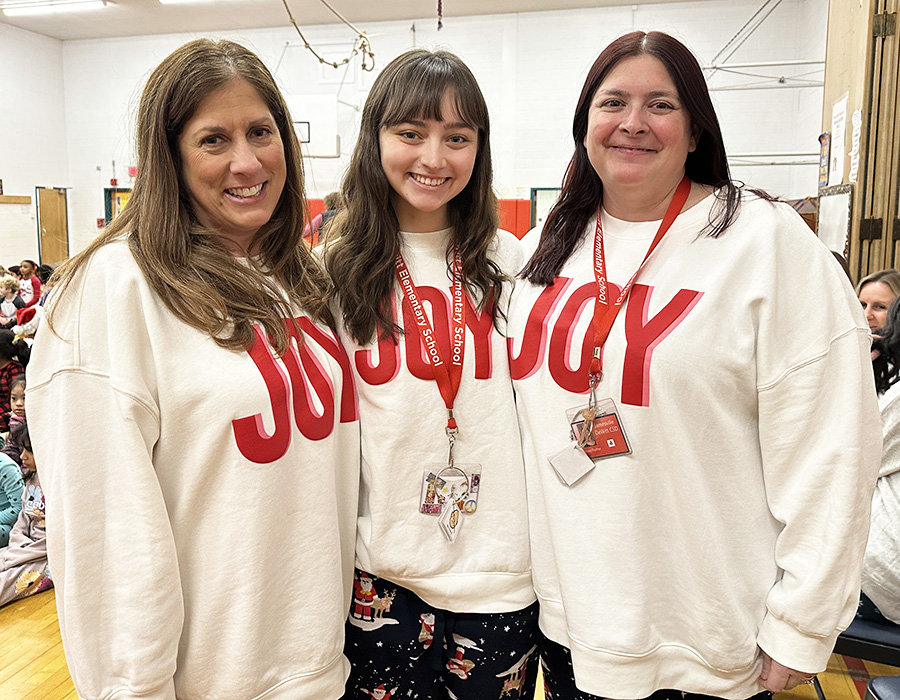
(361, 45)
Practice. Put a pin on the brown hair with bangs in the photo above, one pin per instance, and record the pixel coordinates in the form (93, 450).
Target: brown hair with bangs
(189, 267)
(365, 237)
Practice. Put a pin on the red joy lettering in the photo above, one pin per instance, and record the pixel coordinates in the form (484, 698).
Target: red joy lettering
(416, 359)
(381, 364)
(643, 335)
(561, 341)
(292, 386)
(304, 369)
(249, 432)
(534, 337)
(482, 327)
(333, 346)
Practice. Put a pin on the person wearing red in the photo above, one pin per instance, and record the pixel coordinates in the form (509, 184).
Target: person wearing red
(363, 595)
(29, 283)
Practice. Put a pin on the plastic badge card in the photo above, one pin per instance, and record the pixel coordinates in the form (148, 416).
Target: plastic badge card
(598, 430)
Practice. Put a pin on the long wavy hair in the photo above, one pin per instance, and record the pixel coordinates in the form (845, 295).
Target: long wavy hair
(365, 236)
(187, 265)
(582, 189)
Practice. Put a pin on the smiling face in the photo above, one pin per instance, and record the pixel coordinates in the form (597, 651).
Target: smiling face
(232, 163)
(876, 298)
(638, 137)
(427, 163)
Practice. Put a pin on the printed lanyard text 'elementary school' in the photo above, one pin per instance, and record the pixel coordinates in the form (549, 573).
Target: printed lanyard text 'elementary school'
(448, 490)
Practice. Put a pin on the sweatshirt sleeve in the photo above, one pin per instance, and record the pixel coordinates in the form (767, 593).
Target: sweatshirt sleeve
(890, 428)
(820, 441)
(36, 295)
(94, 422)
(11, 485)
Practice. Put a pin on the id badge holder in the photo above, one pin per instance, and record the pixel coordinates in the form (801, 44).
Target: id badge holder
(570, 463)
(450, 492)
(598, 430)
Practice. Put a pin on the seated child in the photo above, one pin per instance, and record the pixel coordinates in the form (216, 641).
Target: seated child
(16, 415)
(10, 301)
(23, 564)
(14, 356)
(10, 496)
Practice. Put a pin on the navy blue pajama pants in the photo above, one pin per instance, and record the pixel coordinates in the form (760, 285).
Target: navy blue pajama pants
(401, 647)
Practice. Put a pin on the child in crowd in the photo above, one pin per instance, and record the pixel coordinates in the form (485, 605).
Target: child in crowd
(30, 284)
(10, 496)
(23, 563)
(12, 449)
(14, 356)
(10, 301)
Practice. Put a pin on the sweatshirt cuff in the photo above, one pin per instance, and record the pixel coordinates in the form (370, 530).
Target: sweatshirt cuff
(790, 647)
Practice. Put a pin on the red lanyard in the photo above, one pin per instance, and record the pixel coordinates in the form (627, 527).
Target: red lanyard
(447, 378)
(604, 314)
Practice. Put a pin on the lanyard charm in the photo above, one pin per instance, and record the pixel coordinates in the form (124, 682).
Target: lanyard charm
(585, 435)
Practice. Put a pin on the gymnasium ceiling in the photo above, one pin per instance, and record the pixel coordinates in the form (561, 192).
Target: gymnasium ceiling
(140, 17)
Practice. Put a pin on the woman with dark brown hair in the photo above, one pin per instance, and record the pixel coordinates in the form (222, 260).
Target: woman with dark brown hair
(443, 603)
(193, 414)
(699, 456)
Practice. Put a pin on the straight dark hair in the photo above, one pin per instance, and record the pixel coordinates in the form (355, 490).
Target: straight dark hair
(364, 238)
(582, 189)
(886, 347)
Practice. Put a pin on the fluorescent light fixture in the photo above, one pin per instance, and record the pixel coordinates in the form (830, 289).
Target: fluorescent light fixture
(22, 9)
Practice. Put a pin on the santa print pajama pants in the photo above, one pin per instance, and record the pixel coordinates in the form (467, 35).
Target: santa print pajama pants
(401, 647)
(559, 679)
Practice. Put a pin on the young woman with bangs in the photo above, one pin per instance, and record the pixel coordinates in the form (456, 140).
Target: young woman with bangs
(443, 603)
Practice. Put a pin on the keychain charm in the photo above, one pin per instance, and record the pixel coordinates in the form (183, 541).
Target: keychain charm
(450, 493)
(597, 430)
(586, 434)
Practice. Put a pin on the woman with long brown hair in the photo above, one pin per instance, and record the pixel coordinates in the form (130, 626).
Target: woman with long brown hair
(699, 455)
(193, 416)
(443, 602)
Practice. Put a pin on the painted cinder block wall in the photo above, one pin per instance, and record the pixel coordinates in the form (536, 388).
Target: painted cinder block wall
(530, 66)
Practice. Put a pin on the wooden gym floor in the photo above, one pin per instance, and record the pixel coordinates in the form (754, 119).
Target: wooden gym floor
(32, 665)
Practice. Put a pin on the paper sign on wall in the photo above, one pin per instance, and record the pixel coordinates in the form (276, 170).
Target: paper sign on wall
(838, 129)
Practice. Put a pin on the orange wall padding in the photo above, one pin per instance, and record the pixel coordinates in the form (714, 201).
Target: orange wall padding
(515, 214)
